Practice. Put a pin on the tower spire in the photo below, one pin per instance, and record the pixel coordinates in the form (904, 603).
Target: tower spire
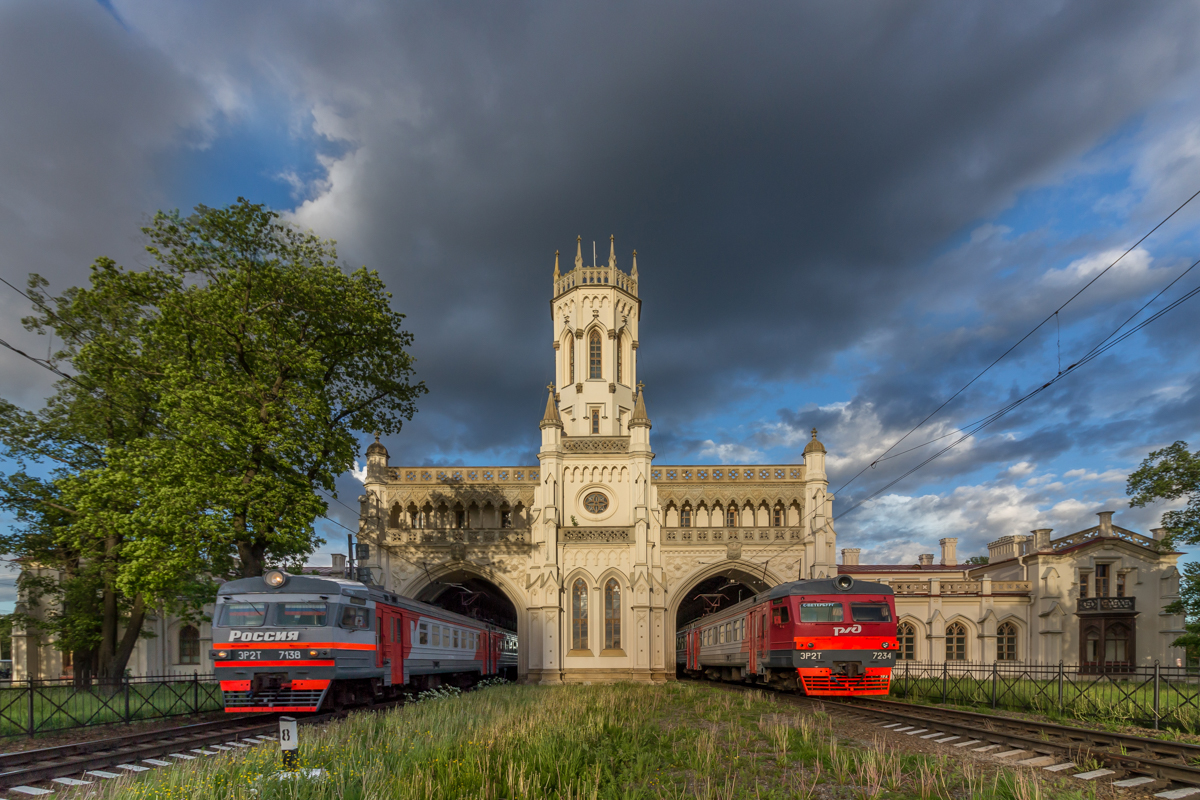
(612, 251)
(633, 272)
(578, 252)
(551, 417)
(556, 265)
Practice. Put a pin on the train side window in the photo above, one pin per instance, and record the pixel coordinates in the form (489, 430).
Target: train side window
(870, 612)
(355, 618)
(437, 636)
(456, 638)
(820, 612)
(780, 615)
(728, 632)
(445, 637)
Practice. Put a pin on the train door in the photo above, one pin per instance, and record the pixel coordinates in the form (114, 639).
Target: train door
(381, 643)
(693, 648)
(751, 650)
(762, 639)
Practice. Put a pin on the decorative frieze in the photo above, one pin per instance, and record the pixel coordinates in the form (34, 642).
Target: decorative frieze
(687, 536)
(613, 535)
(595, 444)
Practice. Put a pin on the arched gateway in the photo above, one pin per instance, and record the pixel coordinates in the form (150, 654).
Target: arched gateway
(598, 551)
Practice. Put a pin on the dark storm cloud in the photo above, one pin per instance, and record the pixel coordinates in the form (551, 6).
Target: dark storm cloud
(785, 172)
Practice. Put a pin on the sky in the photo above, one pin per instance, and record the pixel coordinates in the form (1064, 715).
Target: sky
(843, 213)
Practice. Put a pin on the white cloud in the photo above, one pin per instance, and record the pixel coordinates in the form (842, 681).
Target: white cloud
(730, 453)
(1020, 469)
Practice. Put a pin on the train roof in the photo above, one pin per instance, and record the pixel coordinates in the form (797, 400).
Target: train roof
(322, 585)
(823, 586)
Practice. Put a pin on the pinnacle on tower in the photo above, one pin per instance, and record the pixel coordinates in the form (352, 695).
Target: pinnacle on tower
(578, 252)
(639, 408)
(551, 417)
(555, 265)
(633, 272)
(612, 251)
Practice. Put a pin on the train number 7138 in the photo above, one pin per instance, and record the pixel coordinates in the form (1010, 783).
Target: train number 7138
(289, 655)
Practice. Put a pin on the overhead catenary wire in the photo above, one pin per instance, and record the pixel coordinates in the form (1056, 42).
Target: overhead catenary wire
(1018, 343)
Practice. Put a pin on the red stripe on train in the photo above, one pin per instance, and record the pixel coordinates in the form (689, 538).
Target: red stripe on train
(244, 664)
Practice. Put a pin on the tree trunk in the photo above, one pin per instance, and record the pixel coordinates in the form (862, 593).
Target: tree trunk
(251, 556)
(112, 667)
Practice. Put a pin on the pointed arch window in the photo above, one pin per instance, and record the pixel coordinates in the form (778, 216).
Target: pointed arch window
(731, 516)
(394, 516)
(907, 634)
(612, 615)
(571, 349)
(1006, 642)
(620, 360)
(189, 645)
(956, 642)
(777, 517)
(685, 517)
(594, 356)
(579, 615)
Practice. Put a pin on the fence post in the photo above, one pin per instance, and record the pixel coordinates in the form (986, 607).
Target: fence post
(1060, 686)
(907, 682)
(195, 692)
(30, 725)
(945, 678)
(995, 678)
(1157, 670)
(126, 699)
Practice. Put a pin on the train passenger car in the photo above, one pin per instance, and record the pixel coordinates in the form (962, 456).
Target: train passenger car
(830, 637)
(301, 642)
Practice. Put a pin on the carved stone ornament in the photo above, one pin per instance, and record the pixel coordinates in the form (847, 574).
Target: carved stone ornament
(596, 444)
(458, 552)
(595, 534)
(733, 551)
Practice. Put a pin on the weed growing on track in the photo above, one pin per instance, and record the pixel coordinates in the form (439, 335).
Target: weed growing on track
(626, 741)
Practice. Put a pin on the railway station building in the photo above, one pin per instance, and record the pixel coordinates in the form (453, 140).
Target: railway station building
(595, 554)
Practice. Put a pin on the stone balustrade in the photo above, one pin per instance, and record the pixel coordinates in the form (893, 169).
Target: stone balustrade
(953, 588)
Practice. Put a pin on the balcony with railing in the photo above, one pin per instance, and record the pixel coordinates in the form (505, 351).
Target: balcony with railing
(1105, 605)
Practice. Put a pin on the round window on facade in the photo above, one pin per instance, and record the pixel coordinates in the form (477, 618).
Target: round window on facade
(596, 503)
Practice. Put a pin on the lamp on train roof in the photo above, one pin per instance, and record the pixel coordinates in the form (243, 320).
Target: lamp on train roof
(274, 578)
(843, 582)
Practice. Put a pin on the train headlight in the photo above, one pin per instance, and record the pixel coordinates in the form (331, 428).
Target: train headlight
(220, 654)
(843, 583)
(275, 578)
(885, 645)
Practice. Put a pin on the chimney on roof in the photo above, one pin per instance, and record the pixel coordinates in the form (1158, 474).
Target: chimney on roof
(850, 556)
(339, 562)
(925, 559)
(1158, 533)
(1105, 523)
(949, 552)
(1041, 539)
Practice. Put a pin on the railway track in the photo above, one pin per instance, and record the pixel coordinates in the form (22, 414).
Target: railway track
(28, 773)
(1169, 769)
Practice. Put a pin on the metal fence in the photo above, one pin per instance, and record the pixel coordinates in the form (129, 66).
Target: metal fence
(29, 708)
(1151, 696)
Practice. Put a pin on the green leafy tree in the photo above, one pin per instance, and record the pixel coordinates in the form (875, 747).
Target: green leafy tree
(1171, 474)
(213, 394)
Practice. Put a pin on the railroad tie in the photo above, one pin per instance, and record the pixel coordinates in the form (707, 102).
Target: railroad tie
(30, 790)
(1179, 794)
(966, 744)
(99, 773)
(156, 762)
(71, 782)
(947, 739)
(132, 768)
(1096, 773)
(985, 748)
(914, 733)
(1038, 761)
(1129, 783)
(1060, 767)
(933, 735)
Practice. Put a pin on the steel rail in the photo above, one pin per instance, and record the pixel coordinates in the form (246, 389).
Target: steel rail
(27, 767)
(1165, 762)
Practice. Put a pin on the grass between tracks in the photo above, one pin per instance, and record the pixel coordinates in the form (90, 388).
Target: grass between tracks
(620, 741)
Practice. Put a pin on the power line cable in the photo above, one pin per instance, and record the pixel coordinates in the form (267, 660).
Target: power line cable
(1018, 342)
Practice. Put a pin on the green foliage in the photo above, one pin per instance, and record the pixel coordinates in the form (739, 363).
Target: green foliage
(977, 560)
(1169, 474)
(213, 393)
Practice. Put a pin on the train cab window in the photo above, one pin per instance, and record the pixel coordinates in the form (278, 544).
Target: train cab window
(242, 615)
(820, 612)
(780, 615)
(294, 615)
(870, 612)
(357, 619)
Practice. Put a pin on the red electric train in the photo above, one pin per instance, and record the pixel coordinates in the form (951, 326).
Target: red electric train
(832, 637)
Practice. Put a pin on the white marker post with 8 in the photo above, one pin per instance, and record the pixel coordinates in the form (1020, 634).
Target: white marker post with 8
(288, 743)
